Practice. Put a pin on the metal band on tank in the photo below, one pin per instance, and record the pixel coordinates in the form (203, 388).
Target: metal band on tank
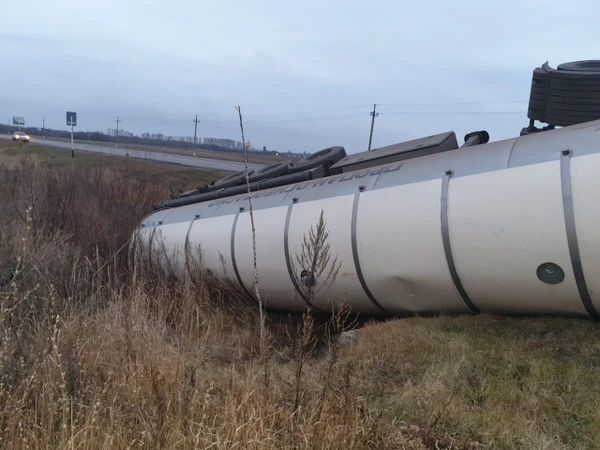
(288, 261)
(233, 263)
(448, 247)
(357, 267)
(569, 212)
(512, 149)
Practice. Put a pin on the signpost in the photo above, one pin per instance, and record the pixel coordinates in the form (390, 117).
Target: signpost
(72, 120)
(19, 121)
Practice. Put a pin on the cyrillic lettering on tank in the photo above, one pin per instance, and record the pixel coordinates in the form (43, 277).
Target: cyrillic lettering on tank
(347, 177)
(362, 174)
(319, 183)
(393, 168)
(222, 201)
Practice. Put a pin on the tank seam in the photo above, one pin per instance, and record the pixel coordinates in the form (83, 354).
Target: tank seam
(571, 231)
(462, 293)
(511, 152)
(355, 257)
(233, 262)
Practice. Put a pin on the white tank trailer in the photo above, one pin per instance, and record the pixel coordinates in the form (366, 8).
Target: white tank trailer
(425, 226)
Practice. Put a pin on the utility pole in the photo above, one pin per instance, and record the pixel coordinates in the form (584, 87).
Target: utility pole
(373, 114)
(43, 127)
(195, 128)
(117, 131)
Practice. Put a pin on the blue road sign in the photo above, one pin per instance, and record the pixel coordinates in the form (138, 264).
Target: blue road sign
(71, 118)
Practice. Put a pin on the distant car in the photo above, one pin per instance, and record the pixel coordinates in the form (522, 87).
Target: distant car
(20, 136)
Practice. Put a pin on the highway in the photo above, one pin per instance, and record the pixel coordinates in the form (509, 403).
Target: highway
(191, 161)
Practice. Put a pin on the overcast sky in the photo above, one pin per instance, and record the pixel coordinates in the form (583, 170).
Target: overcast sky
(156, 64)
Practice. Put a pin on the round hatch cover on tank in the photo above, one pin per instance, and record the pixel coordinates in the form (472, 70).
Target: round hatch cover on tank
(550, 273)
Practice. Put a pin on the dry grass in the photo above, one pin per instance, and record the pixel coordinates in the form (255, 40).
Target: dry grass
(96, 353)
(170, 177)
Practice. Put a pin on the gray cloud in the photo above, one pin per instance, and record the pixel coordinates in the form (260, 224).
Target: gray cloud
(157, 64)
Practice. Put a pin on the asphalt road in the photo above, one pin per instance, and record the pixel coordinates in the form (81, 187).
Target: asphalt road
(191, 161)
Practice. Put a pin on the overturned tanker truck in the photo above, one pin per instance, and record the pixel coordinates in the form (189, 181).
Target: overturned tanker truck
(424, 226)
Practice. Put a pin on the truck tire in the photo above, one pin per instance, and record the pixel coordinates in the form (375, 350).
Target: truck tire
(567, 95)
(238, 178)
(230, 180)
(272, 171)
(326, 157)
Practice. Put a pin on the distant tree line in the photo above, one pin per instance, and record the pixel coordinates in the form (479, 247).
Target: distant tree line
(158, 139)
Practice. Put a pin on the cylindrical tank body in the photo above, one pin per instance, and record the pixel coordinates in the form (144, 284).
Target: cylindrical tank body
(506, 227)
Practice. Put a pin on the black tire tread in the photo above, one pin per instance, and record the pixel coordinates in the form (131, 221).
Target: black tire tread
(272, 171)
(325, 157)
(234, 179)
(567, 95)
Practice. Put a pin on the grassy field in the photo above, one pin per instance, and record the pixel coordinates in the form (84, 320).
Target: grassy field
(227, 156)
(173, 177)
(98, 351)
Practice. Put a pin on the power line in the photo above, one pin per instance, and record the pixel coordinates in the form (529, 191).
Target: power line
(301, 119)
(450, 113)
(454, 103)
(332, 117)
(264, 117)
(384, 104)
(313, 112)
(335, 117)
(381, 104)
(345, 108)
